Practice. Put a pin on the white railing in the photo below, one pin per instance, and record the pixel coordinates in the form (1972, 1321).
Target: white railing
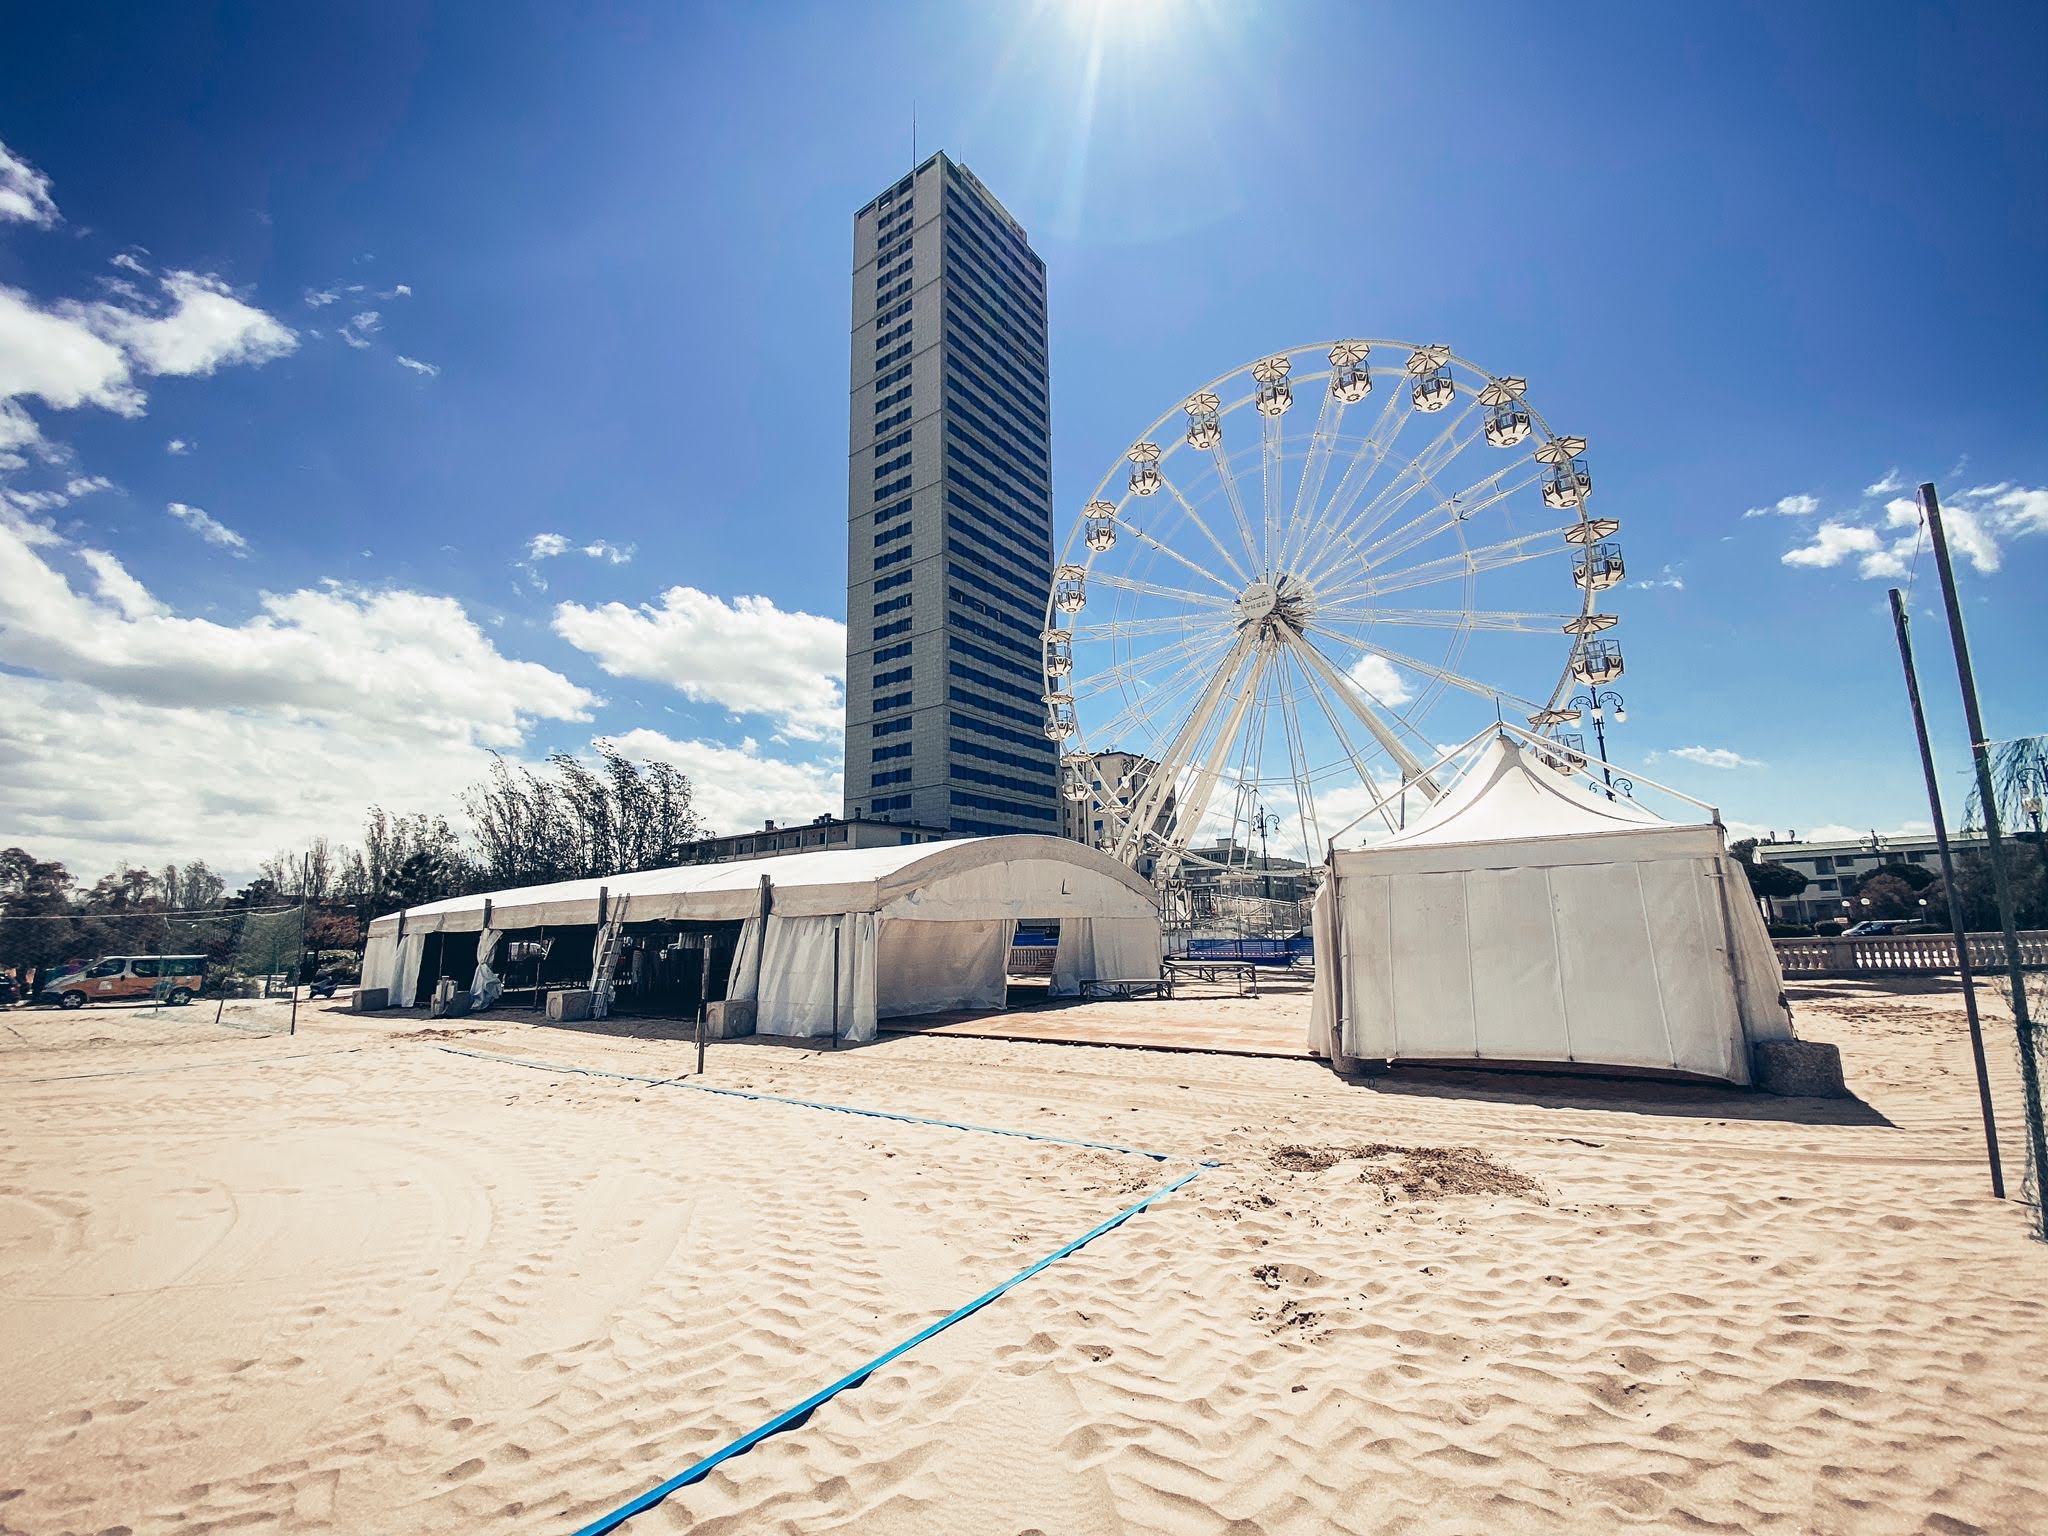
(1910, 954)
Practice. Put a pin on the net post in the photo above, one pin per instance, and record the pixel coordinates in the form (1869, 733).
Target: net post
(2023, 1025)
(1955, 900)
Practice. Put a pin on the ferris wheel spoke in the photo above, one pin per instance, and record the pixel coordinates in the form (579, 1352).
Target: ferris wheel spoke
(1272, 483)
(1142, 712)
(1196, 518)
(1461, 507)
(1139, 666)
(1152, 589)
(1310, 486)
(1499, 697)
(1195, 804)
(1359, 762)
(1236, 500)
(1356, 699)
(1161, 697)
(1152, 798)
(1467, 562)
(1456, 618)
(1298, 765)
(1365, 462)
(1173, 554)
(1134, 629)
(1413, 478)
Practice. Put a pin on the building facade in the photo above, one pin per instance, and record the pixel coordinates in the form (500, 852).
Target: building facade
(1832, 869)
(949, 513)
(810, 837)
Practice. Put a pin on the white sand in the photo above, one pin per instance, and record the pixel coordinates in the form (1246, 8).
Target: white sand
(351, 1282)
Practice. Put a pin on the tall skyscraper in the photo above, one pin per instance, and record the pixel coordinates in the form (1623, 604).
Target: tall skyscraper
(949, 513)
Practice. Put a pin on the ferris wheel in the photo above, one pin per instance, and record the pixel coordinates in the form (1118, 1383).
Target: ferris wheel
(1301, 579)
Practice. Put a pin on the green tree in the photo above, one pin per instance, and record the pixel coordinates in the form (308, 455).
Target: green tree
(1774, 881)
(1888, 895)
(32, 893)
(1914, 876)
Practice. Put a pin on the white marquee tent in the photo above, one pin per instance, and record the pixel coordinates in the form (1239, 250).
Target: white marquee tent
(1521, 919)
(922, 928)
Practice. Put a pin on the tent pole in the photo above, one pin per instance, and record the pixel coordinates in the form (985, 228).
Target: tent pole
(835, 981)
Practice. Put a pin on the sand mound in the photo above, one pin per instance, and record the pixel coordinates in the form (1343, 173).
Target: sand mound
(1420, 1173)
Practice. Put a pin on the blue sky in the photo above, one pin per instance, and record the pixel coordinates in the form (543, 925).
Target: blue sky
(1762, 257)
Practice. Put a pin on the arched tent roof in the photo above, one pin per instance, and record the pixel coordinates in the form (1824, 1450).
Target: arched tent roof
(961, 879)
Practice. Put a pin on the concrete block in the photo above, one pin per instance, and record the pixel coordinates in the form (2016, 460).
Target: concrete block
(728, 1020)
(369, 999)
(1808, 1069)
(568, 1005)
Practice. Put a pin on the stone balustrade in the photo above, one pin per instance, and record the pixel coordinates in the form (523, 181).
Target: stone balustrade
(1911, 954)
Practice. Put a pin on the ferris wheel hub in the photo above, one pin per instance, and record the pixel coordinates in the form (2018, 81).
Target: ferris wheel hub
(1284, 604)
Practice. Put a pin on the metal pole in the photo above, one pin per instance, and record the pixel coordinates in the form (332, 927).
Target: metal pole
(761, 947)
(1955, 897)
(298, 971)
(835, 982)
(2023, 1025)
(703, 999)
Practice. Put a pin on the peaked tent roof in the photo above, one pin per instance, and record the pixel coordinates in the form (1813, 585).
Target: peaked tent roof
(1506, 795)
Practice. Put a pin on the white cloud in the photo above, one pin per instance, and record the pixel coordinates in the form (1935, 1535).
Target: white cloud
(320, 298)
(205, 327)
(735, 788)
(24, 193)
(1887, 484)
(604, 549)
(59, 358)
(1787, 506)
(209, 528)
(50, 500)
(361, 327)
(747, 655)
(252, 736)
(113, 583)
(401, 291)
(1832, 544)
(73, 355)
(334, 653)
(1377, 676)
(178, 446)
(2017, 509)
(427, 370)
(1715, 757)
(1976, 520)
(545, 546)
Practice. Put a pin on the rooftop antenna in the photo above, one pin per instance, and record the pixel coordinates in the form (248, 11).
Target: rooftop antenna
(913, 133)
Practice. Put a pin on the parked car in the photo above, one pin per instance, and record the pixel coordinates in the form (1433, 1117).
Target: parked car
(1882, 927)
(119, 978)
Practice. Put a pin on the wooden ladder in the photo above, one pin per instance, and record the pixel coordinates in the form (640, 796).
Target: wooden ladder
(608, 940)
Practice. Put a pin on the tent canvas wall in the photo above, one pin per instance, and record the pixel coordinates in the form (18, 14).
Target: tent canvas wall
(921, 928)
(1520, 919)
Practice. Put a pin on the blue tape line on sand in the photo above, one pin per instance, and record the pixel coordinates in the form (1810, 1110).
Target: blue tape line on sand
(773, 1098)
(792, 1416)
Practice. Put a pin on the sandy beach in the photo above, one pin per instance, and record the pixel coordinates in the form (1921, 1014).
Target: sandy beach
(352, 1280)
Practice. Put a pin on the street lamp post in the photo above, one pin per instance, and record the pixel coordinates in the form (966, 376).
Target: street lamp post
(1599, 702)
(1266, 821)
